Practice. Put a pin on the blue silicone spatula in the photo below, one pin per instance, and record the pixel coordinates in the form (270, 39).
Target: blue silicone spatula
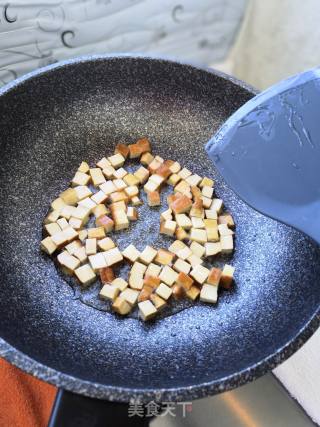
(268, 152)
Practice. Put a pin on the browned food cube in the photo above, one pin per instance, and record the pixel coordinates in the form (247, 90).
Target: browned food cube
(157, 301)
(164, 257)
(105, 222)
(178, 291)
(151, 281)
(226, 278)
(163, 170)
(121, 306)
(106, 275)
(197, 208)
(196, 192)
(181, 234)
(154, 198)
(181, 205)
(184, 280)
(135, 151)
(122, 149)
(118, 196)
(214, 276)
(144, 144)
(193, 293)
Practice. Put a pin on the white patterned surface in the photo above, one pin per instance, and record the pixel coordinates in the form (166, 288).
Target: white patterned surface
(33, 34)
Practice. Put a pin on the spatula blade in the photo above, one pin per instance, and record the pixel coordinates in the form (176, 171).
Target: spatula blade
(269, 152)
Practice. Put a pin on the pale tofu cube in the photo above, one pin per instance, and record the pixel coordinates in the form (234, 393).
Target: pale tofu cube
(108, 187)
(150, 187)
(176, 246)
(48, 246)
(154, 165)
(73, 246)
(198, 235)
(87, 203)
(132, 213)
(211, 230)
(211, 214)
(131, 179)
(85, 275)
(182, 266)
(136, 201)
(70, 234)
(68, 261)
(99, 197)
(226, 219)
(83, 234)
(224, 230)
(153, 270)
(226, 244)
(207, 202)
(214, 277)
(121, 220)
(209, 294)
(120, 173)
(91, 246)
(193, 293)
(197, 222)
(184, 253)
(113, 256)
(80, 178)
(142, 174)
(157, 179)
(106, 244)
(175, 167)
(63, 223)
(173, 179)
(67, 211)
(198, 249)
(69, 196)
(103, 163)
(96, 233)
(59, 239)
(212, 248)
(168, 275)
(109, 292)
(75, 223)
(216, 205)
(52, 217)
(120, 283)
(119, 184)
(57, 204)
(184, 173)
(108, 172)
(183, 221)
(193, 179)
(153, 198)
(117, 160)
(207, 191)
(83, 192)
(80, 253)
(84, 167)
(148, 255)
(52, 228)
(147, 310)
(158, 302)
(168, 227)
(118, 196)
(166, 215)
(97, 176)
(130, 295)
(136, 280)
(181, 234)
(138, 268)
(97, 261)
(164, 291)
(146, 159)
(206, 182)
(200, 273)
(81, 213)
(164, 257)
(183, 187)
(121, 306)
(100, 210)
(131, 253)
(132, 191)
(194, 260)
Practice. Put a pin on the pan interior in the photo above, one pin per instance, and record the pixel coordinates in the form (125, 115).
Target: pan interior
(48, 125)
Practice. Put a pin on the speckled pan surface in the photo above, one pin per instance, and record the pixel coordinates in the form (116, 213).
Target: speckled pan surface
(48, 123)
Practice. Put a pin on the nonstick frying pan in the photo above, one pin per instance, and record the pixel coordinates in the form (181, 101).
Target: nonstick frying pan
(56, 117)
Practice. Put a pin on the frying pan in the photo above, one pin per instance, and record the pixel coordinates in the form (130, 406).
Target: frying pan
(77, 110)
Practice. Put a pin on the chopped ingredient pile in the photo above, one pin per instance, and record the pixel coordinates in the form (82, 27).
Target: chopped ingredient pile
(110, 194)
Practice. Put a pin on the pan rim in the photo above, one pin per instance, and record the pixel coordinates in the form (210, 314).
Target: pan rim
(179, 393)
